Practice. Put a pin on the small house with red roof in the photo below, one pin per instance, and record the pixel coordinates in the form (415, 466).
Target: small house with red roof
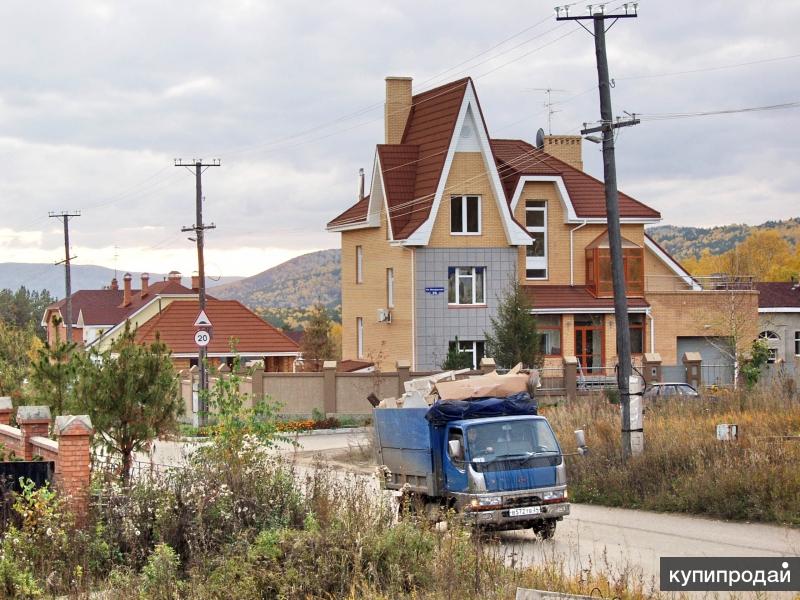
(452, 214)
(168, 310)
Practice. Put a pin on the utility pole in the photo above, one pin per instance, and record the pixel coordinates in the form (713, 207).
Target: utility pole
(607, 126)
(65, 216)
(199, 230)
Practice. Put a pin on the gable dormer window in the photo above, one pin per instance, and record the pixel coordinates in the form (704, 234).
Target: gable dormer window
(465, 215)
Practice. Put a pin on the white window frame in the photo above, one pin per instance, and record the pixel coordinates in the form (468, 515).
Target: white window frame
(537, 262)
(473, 275)
(390, 287)
(359, 264)
(464, 219)
(797, 343)
(770, 338)
(472, 350)
(360, 337)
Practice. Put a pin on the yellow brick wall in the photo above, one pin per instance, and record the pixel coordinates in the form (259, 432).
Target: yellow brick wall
(688, 313)
(468, 177)
(659, 277)
(566, 148)
(558, 253)
(383, 342)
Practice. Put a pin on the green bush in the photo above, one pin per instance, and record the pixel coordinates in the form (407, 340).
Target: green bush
(160, 575)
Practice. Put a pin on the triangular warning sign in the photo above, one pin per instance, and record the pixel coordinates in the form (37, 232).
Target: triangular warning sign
(202, 320)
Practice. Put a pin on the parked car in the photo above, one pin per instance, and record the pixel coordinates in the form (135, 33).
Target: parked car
(670, 390)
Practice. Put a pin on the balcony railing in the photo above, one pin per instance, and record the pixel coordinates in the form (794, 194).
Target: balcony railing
(708, 283)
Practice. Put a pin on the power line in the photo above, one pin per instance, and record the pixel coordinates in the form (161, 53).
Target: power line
(709, 113)
(708, 69)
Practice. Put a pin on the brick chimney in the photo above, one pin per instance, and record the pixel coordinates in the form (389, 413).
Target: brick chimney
(114, 284)
(195, 283)
(566, 148)
(174, 276)
(397, 107)
(126, 289)
(145, 284)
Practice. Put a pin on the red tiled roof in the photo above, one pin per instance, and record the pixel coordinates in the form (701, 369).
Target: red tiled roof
(354, 214)
(103, 307)
(778, 294)
(350, 366)
(516, 158)
(568, 296)
(430, 126)
(411, 170)
(230, 319)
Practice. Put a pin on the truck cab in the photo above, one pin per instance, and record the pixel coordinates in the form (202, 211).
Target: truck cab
(500, 472)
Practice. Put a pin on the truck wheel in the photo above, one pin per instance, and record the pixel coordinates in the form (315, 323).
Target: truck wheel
(546, 530)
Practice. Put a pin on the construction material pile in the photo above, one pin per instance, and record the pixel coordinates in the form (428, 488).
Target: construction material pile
(423, 392)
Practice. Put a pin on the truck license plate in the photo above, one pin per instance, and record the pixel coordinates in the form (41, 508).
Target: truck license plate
(527, 510)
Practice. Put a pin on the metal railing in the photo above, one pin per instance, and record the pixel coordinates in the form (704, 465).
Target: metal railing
(706, 283)
(596, 378)
(552, 379)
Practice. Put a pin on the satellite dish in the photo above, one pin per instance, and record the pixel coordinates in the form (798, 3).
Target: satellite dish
(540, 138)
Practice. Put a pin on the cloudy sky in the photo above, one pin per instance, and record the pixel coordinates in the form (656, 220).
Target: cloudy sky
(97, 98)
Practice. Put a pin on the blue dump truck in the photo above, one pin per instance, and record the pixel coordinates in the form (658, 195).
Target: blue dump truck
(494, 461)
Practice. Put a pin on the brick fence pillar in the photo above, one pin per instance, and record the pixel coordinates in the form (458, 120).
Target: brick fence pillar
(6, 409)
(487, 365)
(403, 375)
(692, 361)
(258, 385)
(33, 421)
(571, 377)
(329, 386)
(73, 467)
(652, 368)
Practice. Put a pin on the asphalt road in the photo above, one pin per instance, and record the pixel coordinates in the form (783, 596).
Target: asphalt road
(618, 540)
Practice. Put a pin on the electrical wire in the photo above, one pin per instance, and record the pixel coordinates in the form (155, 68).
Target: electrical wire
(708, 113)
(708, 69)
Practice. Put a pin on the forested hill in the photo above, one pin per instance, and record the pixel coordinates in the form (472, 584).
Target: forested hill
(297, 283)
(686, 242)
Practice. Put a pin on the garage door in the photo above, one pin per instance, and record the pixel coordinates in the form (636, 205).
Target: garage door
(717, 368)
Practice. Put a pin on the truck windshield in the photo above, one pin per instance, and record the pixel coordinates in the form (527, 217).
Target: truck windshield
(509, 440)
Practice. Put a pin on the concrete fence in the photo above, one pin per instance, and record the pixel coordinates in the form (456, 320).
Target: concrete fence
(70, 451)
(336, 393)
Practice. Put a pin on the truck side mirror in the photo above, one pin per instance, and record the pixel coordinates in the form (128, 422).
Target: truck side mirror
(580, 441)
(456, 451)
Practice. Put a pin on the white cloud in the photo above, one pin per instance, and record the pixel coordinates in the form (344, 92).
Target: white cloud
(99, 98)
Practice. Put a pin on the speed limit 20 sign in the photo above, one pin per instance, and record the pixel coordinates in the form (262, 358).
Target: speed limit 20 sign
(202, 338)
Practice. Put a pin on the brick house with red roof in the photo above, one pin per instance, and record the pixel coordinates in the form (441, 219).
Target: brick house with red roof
(453, 214)
(168, 309)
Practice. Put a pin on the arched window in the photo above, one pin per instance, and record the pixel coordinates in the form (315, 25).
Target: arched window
(771, 338)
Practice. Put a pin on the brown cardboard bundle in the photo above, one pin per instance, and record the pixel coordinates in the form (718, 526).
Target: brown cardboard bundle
(483, 386)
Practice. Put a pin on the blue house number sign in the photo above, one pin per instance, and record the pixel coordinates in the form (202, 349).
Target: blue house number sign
(434, 291)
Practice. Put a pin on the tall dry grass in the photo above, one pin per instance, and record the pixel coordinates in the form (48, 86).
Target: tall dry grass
(684, 467)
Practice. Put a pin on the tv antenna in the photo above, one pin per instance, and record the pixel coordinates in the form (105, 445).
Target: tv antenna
(549, 104)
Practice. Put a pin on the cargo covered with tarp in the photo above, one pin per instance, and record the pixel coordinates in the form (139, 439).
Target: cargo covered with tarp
(520, 404)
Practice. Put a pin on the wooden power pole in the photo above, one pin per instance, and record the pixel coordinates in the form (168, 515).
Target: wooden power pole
(607, 126)
(199, 229)
(65, 216)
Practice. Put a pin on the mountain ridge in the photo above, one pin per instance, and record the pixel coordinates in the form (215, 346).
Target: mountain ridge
(690, 242)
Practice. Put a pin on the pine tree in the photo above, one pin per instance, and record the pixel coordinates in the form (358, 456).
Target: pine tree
(456, 359)
(317, 345)
(53, 374)
(514, 337)
(130, 391)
